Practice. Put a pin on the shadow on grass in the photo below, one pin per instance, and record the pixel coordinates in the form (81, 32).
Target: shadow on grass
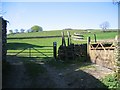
(29, 50)
(74, 79)
(20, 46)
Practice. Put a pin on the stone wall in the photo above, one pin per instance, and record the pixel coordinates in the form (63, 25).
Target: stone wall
(72, 52)
(4, 36)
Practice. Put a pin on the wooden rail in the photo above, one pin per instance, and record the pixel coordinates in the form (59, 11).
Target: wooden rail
(101, 53)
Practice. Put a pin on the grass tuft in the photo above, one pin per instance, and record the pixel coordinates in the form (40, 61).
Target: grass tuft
(111, 81)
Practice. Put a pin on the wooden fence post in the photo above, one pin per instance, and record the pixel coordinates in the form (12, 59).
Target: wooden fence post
(95, 38)
(69, 41)
(117, 56)
(55, 50)
(88, 46)
(63, 39)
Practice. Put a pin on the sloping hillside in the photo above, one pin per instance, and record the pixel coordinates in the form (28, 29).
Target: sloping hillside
(86, 33)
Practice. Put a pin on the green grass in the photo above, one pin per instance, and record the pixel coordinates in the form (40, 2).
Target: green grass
(16, 45)
(100, 34)
(39, 44)
(87, 67)
(111, 81)
(65, 64)
(43, 33)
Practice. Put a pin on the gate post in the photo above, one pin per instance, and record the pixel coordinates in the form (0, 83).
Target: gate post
(63, 39)
(95, 38)
(55, 50)
(88, 47)
(69, 40)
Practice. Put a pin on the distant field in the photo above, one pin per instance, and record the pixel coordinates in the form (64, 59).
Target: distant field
(16, 45)
(100, 34)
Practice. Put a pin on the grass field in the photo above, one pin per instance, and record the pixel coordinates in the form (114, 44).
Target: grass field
(45, 48)
(99, 33)
(45, 44)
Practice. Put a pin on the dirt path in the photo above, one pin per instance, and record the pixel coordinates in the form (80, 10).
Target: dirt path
(98, 71)
(16, 77)
(73, 76)
(56, 77)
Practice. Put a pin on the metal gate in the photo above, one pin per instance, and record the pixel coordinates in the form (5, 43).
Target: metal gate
(37, 52)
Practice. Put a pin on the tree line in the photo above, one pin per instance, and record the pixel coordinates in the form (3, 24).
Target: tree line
(34, 28)
(104, 26)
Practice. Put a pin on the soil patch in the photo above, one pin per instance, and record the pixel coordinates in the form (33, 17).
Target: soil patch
(85, 75)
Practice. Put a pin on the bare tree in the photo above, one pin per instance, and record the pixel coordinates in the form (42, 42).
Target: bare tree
(105, 25)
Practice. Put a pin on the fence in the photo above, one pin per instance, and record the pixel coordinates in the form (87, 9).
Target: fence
(77, 36)
(102, 54)
(36, 52)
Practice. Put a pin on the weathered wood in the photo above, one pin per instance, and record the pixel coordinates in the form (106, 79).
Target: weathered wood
(106, 48)
(55, 50)
(69, 40)
(117, 55)
(88, 46)
(95, 38)
(63, 39)
(102, 54)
